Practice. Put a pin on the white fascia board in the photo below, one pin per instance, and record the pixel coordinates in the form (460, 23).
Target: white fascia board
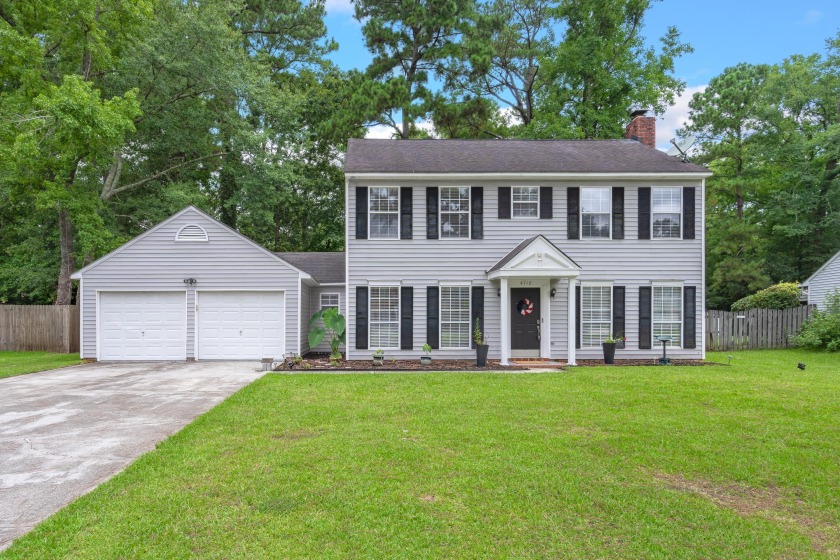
(820, 269)
(525, 176)
(533, 273)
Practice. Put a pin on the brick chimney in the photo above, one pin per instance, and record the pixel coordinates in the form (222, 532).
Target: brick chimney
(642, 128)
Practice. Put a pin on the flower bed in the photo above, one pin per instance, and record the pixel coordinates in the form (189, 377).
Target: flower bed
(321, 362)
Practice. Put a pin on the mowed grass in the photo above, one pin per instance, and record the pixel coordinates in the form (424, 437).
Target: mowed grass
(18, 363)
(606, 462)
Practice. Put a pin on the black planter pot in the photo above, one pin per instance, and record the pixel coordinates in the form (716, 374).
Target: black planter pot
(609, 352)
(481, 354)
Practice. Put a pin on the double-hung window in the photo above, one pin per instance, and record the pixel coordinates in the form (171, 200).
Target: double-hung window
(329, 300)
(525, 202)
(667, 313)
(595, 314)
(384, 316)
(595, 212)
(384, 212)
(454, 316)
(454, 212)
(667, 212)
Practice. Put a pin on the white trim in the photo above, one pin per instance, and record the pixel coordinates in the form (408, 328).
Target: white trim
(454, 284)
(702, 336)
(469, 314)
(681, 286)
(321, 300)
(178, 234)
(399, 212)
(505, 307)
(583, 286)
(78, 274)
(281, 291)
(80, 296)
(596, 283)
(526, 176)
(534, 217)
(348, 343)
(399, 315)
(468, 212)
(581, 213)
(384, 283)
(652, 213)
(571, 332)
(299, 317)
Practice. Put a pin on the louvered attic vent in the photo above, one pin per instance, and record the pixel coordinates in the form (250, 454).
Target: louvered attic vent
(191, 232)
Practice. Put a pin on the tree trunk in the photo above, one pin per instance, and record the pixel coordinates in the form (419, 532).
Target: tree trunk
(64, 293)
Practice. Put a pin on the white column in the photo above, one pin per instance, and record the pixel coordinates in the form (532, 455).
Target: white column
(572, 321)
(505, 318)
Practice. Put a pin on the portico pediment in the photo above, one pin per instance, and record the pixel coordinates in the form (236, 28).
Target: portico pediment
(536, 257)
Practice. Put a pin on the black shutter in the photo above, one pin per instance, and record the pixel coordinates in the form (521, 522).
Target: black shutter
(578, 307)
(477, 311)
(433, 317)
(618, 213)
(690, 317)
(406, 318)
(618, 313)
(645, 313)
(546, 203)
(406, 213)
(361, 317)
(644, 212)
(477, 202)
(504, 203)
(573, 209)
(688, 212)
(431, 212)
(361, 213)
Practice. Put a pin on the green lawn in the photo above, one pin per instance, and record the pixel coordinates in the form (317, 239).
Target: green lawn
(17, 363)
(618, 462)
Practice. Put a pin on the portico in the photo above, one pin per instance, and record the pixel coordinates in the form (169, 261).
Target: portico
(525, 276)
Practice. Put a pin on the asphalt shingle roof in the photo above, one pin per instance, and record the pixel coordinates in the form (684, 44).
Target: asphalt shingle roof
(510, 156)
(326, 268)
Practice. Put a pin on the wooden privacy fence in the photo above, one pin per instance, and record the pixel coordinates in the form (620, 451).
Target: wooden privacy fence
(51, 328)
(754, 329)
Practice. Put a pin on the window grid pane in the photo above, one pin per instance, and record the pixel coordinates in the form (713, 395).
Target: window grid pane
(596, 314)
(384, 317)
(525, 202)
(667, 212)
(454, 211)
(384, 212)
(667, 313)
(329, 300)
(595, 212)
(455, 317)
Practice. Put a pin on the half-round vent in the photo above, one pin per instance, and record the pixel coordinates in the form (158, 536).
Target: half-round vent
(191, 232)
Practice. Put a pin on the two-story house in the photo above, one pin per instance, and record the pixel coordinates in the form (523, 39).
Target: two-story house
(551, 245)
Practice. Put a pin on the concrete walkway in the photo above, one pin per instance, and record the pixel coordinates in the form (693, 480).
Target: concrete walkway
(64, 432)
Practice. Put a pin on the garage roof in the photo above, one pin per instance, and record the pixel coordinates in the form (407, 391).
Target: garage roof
(326, 267)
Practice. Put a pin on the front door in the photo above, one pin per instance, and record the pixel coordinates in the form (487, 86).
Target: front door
(525, 319)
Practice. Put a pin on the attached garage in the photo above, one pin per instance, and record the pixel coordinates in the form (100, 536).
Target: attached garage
(142, 325)
(240, 325)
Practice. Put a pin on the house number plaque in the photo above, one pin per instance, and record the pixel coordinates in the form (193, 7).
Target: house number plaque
(526, 282)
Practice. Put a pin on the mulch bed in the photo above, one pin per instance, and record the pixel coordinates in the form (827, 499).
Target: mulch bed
(321, 362)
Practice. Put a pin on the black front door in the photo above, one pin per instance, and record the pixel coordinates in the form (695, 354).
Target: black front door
(525, 319)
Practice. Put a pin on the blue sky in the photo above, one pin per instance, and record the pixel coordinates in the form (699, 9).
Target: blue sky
(722, 33)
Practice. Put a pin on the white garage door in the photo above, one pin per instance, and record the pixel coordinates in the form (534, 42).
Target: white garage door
(241, 325)
(142, 326)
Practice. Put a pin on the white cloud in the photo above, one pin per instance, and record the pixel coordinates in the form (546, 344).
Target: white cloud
(383, 131)
(811, 17)
(339, 6)
(675, 117)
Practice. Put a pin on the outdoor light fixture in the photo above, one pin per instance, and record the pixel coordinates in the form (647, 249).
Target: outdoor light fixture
(553, 292)
(190, 281)
(499, 293)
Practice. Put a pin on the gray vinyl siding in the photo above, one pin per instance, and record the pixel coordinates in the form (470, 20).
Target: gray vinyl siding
(824, 282)
(315, 305)
(157, 262)
(419, 262)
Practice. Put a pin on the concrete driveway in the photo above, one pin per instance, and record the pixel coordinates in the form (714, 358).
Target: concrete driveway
(64, 432)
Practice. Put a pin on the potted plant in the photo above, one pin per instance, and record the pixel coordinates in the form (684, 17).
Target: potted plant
(426, 359)
(481, 346)
(378, 357)
(609, 347)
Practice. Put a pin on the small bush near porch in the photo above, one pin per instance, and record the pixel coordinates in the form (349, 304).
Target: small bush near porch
(637, 462)
(18, 363)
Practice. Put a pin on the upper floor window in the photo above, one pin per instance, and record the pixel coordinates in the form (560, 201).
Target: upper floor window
(329, 300)
(384, 212)
(525, 202)
(454, 212)
(595, 212)
(667, 213)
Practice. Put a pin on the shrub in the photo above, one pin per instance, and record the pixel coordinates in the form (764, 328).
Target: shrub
(778, 296)
(822, 330)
